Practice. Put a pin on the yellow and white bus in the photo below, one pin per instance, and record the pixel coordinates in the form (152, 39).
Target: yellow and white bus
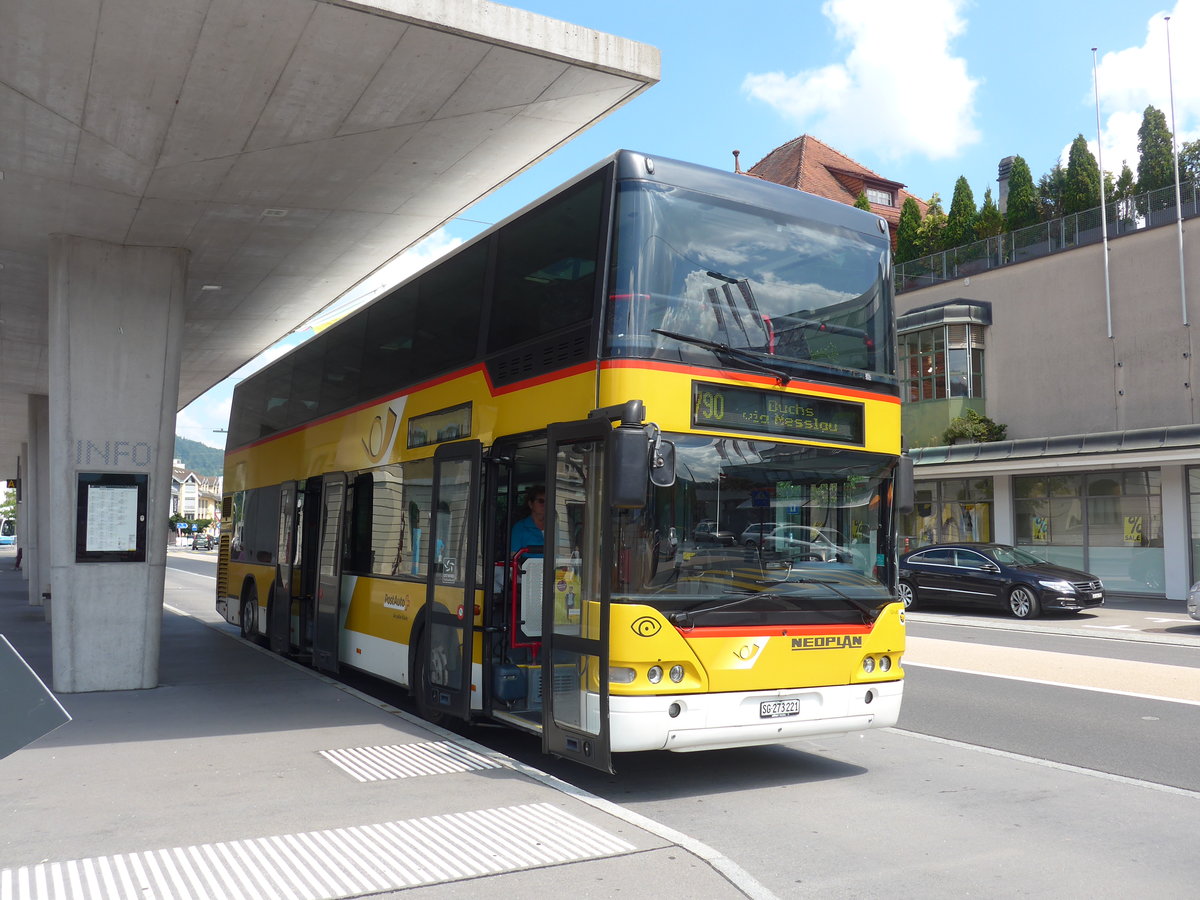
(697, 371)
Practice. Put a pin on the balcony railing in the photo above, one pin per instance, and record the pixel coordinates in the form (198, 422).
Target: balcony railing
(1080, 229)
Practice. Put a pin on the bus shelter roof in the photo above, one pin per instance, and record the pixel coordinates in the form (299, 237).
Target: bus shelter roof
(292, 147)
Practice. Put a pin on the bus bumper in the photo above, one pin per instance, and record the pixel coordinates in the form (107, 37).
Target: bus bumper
(717, 721)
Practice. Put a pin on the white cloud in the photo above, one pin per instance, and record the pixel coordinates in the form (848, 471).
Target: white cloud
(1131, 79)
(866, 101)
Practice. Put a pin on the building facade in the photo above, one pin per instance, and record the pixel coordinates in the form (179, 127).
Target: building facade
(1093, 373)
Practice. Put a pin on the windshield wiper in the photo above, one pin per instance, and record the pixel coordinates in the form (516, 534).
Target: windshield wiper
(683, 618)
(717, 347)
(863, 608)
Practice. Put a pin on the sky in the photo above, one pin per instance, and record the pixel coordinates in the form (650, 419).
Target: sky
(919, 91)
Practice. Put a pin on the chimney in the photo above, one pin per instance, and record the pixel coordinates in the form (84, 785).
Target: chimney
(1002, 173)
(737, 169)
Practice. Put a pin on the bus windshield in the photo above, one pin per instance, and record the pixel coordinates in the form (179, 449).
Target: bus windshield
(692, 270)
(760, 533)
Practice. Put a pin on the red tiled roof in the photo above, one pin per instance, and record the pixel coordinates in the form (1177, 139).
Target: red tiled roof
(810, 165)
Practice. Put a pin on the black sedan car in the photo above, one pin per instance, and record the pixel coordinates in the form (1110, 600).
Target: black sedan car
(994, 576)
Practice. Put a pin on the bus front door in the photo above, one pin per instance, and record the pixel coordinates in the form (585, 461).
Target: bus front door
(329, 574)
(574, 604)
(279, 607)
(442, 680)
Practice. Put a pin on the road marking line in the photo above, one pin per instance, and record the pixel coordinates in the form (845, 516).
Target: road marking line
(1050, 764)
(1159, 681)
(1078, 687)
(407, 760)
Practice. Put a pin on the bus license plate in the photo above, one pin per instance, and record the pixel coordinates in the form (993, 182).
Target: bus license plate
(771, 709)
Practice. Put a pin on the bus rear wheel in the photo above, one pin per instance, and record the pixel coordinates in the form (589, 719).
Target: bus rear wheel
(250, 613)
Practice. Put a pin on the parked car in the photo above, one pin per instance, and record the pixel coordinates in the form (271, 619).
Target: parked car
(202, 542)
(1193, 601)
(994, 576)
(802, 542)
(706, 532)
(753, 536)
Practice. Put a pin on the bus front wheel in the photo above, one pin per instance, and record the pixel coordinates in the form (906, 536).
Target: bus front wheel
(421, 684)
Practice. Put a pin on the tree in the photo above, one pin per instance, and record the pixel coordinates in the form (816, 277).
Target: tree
(990, 221)
(1081, 187)
(907, 237)
(861, 202)
(1050, 193)
(1189, 161)
(1124, 191)
(1156, 164)
(1022, 198)
(960, 223)
(973, 428)
(931, 232)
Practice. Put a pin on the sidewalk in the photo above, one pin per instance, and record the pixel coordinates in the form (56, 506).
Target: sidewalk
(1120, 618)
(244, 775)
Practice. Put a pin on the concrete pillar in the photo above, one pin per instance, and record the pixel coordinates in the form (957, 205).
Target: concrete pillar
(36, 558)
(1005, 517)
(1176, 529)
(24, 508)
(116, 324)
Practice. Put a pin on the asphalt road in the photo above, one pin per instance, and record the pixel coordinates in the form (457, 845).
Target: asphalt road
(1041, 763)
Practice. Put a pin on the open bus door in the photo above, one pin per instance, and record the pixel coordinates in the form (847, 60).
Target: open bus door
(574, 599)
(329, 573)
(279, 607)
(443, 676)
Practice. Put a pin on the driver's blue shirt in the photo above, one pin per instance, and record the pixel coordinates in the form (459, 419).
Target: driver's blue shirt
(525, 533)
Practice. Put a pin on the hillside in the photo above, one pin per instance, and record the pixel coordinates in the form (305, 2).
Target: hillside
(200, 458)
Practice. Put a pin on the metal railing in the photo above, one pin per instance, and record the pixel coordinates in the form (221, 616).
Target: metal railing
(1125, 216)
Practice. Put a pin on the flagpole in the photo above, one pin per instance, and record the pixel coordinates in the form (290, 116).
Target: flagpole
(1103, 206)
(1175, 159)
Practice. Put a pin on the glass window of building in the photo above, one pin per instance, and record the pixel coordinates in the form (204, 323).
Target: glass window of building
(941, 362)
(1105, 523)
(882, 197)
(957, 509)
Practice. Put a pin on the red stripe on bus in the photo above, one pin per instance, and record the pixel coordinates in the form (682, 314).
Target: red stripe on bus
(699, 372)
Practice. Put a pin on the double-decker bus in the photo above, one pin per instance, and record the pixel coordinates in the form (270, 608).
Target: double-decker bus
(695, 370)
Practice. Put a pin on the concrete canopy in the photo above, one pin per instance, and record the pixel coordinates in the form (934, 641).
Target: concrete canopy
(291, 146)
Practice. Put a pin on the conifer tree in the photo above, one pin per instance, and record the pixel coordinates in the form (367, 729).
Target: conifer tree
(861, 202)
(1022, 198)
(907, 231)
(990, 221)
(1124, 191)
(1156, 164)
(931, 232)
(1081, 186)
(960, 223)
(1050, 193)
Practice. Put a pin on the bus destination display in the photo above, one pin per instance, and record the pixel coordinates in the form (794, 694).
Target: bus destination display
(792, 415)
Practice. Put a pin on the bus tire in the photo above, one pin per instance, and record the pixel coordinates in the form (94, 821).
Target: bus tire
(421, 686)
(249, 612)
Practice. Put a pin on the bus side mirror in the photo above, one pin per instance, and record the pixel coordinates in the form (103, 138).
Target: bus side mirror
(905, 491)
(629, 468)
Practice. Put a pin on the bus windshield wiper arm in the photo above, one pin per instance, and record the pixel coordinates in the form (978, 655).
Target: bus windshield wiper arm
(863, 608)
(717, 347)
(683, 618)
